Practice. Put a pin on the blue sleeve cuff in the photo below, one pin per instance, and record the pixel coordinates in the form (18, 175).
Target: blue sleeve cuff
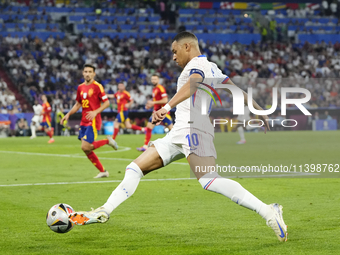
(198, 71)
(225, 80)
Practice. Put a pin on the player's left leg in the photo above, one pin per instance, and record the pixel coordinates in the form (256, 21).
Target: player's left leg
(109, 141)
(120, 118)
(49, 130)
(88, 150)
(33, 129)
(132, 126)
(240, 131)
(35, 124)
(159, 154)
(203, 168)
(148, 134)
(87, 136)
(148, 161)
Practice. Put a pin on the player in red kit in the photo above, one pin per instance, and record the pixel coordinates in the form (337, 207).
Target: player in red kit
(93, 100)
(46, 121)
(124, 102)
(160, 98)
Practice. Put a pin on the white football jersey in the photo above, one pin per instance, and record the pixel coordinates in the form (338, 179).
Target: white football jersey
(194, 111)
(37, 109)
(218, 73)
(245, 116)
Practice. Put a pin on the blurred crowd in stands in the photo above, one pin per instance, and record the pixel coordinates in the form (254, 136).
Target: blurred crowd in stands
(54, 67)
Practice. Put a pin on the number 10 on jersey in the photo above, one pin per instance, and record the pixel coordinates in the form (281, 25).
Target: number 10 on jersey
(192, 139)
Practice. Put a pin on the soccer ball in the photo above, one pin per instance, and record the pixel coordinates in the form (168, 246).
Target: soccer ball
(57, 218)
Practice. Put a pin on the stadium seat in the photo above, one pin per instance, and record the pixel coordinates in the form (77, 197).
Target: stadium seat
(54, 9)
(42, 35)
(124, 18)
(75, 18)
(319, 37)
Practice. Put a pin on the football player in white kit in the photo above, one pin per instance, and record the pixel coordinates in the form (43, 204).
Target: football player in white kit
(222, 78)
(243, 119)
(192, 136)
(37, 119)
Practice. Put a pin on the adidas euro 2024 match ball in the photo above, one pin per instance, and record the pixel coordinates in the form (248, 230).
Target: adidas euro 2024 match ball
(57, 218)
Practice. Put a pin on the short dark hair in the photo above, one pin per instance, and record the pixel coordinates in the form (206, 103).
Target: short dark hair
(183, 35)
(89, 65)
(156, 74)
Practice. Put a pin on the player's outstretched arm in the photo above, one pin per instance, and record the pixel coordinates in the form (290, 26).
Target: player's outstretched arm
(92, 114)
(186, 91)
(164, 100)
(150, 103)
(256, 106)
(74, 109)
(129, 104)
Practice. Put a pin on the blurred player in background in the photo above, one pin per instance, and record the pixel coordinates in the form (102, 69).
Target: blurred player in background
(244, 125)
(64, 128)
(240, 129)
(159, 99)
(90, 95)
(124, 102)
(37, 119)
(46, 121)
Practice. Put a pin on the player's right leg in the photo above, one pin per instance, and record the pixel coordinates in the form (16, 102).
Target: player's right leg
(120, 118)
(203, 168)
(148, 133)
(148, 161)
(87, 137)
(109, 141)
(34, 126)
(48, 130)
(240, 131)
(128, 125)
(116, 125)
(33, 129)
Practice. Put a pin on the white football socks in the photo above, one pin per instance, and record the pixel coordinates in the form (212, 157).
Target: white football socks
(126, 188)
(241, 133)
(233, 190)
(33, 130)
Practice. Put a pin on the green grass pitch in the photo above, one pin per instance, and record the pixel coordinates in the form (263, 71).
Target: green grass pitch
(167, 216)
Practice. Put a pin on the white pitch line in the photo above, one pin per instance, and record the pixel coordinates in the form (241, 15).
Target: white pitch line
(73, 156)
(143, 180)
(120, 149)
(89, 182)
(125, 159)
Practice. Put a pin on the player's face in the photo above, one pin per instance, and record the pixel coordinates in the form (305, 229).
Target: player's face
(43, 97)
(154, 80)
(179, 54)
(121, 87)
(88, 74)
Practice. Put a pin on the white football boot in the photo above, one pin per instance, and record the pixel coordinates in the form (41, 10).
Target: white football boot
(102, 175)
(275, 221)
(95, 216)
(112, 143)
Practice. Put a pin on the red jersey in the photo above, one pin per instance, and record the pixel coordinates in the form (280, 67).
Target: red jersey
(90, 97)
(158, 93)
(46, 112)
(122, 99)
